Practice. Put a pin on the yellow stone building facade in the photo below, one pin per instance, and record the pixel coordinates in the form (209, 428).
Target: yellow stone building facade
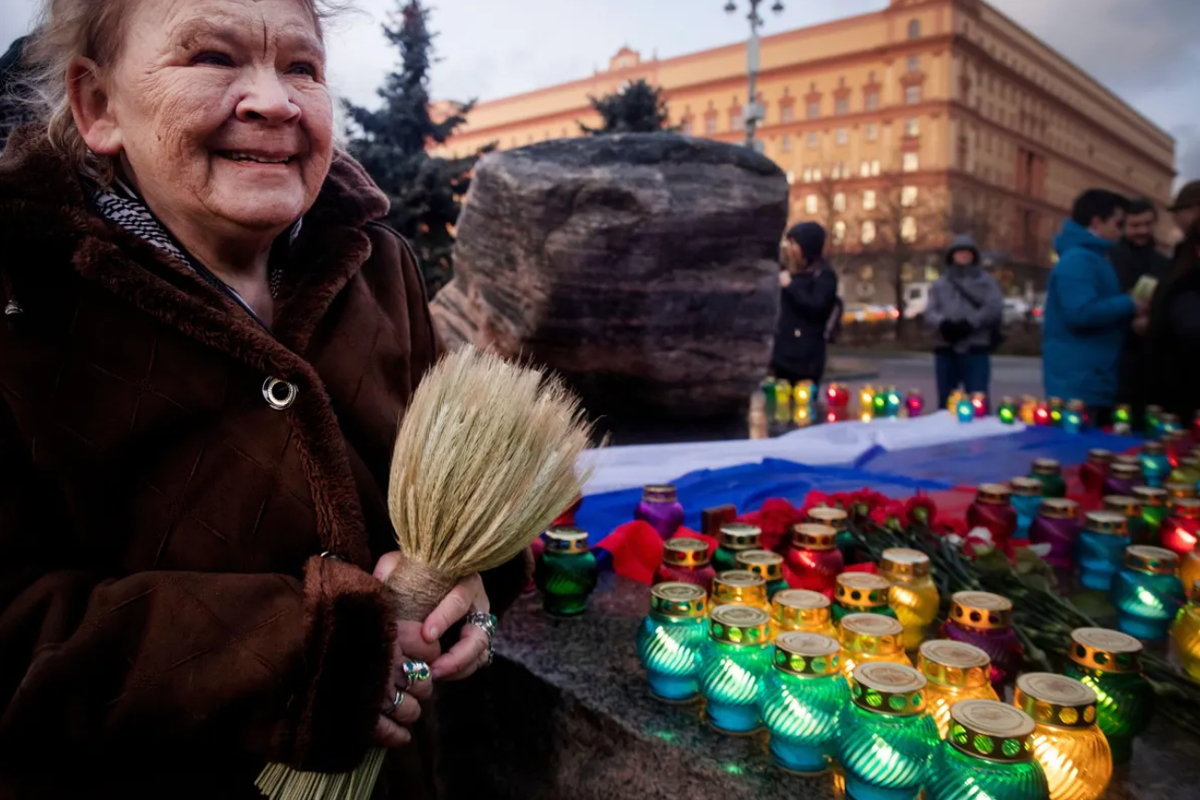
(895, 128)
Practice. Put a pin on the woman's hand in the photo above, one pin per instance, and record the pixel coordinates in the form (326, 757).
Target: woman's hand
(473, 648)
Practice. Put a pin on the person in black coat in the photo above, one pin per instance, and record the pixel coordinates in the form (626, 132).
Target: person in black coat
(1134, 257)
(808, 307)
(13, 72)
(1173, 334)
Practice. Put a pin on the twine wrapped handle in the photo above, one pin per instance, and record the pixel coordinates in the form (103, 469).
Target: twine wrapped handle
(419, 588)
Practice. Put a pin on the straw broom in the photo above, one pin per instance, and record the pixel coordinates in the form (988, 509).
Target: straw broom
(484, 462)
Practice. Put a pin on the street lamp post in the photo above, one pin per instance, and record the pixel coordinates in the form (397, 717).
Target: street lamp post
(752, 111)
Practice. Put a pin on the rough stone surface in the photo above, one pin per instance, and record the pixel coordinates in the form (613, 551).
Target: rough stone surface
(641, 267)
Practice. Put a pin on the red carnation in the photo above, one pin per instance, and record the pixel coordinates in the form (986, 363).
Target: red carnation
(921, 509)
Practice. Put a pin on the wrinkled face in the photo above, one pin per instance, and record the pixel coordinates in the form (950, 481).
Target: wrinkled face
(221, 110)
(964, 258)
(1110, 228)
(1139, 228)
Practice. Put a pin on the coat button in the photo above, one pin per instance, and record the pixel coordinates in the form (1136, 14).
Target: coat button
(797, 333)
(279, 394)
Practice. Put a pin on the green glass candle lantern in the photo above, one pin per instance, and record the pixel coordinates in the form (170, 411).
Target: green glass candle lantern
(732, 539)
(734, 667)
(805, 692)
(1049, 472)
(1110, 663)
(671, 638)
(1147, 592)
(566, 572)
(739, 587)
(767, 565)
(861, 593)
(801, 610)
(885, 738)
(988, 755)
(913, 596)
(867, 638)
(1154, 508)
(956, 672)
(1072, 751)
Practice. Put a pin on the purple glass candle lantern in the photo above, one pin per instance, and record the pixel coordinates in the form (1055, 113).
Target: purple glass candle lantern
(660, 507)
(984, 619)
(1122, 477)
(1057, 524)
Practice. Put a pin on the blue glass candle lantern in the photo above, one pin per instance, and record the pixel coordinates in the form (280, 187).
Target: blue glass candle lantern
(1155, 466)
(1110, 663)
(885, 738)
(1073, 418)
(739, 587)
(566, 572)
(767, 565)
(671, 638)
(894, 402)
(1147, 592)
(988, 755)
(733, 538)
(1100, 548)
(1131, 508)
(965, 411)
(734, 667)
(804, 694)
(1072, 751)
(1026, 500)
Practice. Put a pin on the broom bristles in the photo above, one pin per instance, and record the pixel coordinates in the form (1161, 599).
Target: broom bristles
(484, 461)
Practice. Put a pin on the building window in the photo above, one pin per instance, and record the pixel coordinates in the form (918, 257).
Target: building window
(872, 101)
(875, 167)
(813, 141)
(785, 144)
(837, 172)
(868, 232)
(787, 113)
(710, 124)
(841, 106)
(865, 170)
(808, 174)
(908, 196)
(839, 231)
(685, 127)
(869, 200)
(914, 63)
(816, 174)
(912, 127)
(911, 163)
(839, 202)
(810, 204)
(814, 109)
(908, 229)
(912, 94)
(736, 121)
(841, 136)
(872, 132)
(791, 177)
(914, 29)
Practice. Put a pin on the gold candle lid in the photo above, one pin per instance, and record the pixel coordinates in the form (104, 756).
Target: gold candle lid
(990, 730)
(1187, 507)
(814, 536)
(566, 539)
(862, 590)
(1153, 449)
(1055, 700)
(764, 563)
(809, 655)
(1026, 487)
(1047, 466)
(1129, 506)
(957, 664)
(1106, 650)
(1058, 508)
(739, 586)
(872, 634)
(994, 494)
(1125, 471)
(888, 688)
(1152, 560)
(903, 564)
(685, 553)
(1128, 458)
(1150, 495)
(1107, 522)
(1179, 490)
(1189, 462)
(741, 625)
(799, 607)
(833, 517)
(739, 536)
(677, 599)
(981, 611)
(659, 493)
(1100, 456)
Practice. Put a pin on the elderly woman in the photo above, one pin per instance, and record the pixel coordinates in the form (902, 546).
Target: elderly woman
(210, 341)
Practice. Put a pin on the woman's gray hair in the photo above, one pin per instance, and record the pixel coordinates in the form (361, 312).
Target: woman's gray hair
(70, 29)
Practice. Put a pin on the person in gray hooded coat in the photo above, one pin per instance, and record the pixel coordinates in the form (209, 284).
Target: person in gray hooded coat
(965, 306)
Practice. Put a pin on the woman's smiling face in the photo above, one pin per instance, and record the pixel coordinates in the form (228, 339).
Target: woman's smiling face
(219, 111)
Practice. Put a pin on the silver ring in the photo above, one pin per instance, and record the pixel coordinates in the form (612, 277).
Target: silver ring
(416, 671)
(399, 701)
(484, 621)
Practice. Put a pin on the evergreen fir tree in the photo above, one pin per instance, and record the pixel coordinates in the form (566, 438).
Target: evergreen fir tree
(425, 191)
(637, 108)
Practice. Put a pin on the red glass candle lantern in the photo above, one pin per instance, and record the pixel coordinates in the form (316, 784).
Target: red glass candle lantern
(1179, 530)
(914, 403)
(838, 397)
(993, 510)
(1095, 471)
(1196, 429)
(686, 561)
(980, 404)
(813, 557)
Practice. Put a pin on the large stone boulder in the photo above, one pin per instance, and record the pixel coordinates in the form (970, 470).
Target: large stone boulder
(641, 267)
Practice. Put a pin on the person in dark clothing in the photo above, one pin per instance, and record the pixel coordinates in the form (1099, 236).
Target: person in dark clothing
(1136, 256)
(1173, 333)
(13, 112)
(808, 307)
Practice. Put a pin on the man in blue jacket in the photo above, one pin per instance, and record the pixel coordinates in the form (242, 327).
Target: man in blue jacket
(1087, 314)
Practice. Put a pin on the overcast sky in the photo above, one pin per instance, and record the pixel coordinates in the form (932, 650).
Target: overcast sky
(1147, 51)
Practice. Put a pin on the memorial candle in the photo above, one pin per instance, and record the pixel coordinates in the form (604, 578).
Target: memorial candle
(814, 558)
(1049, 472)
(1122, 420)
(866, 399)
(1026, 501)
(1122, 477)
(1100, 550)
(801, 610)
(1154, 508)
(739, 587)
(660, 507)
(1027, 412)
(671, 638)
(766, 564)
(1066, 742)
(1074, 418)
(805, 691)
(1147, 592)
(993, 510)
(685, 561)
(733, 538)
(1110, 664)
(913, 595)
(1189, 569)
(893, 402)
(733, 668)
(1007, 411)
(1185, 636)
(956, 671)
(1057, 524)
(1131, 508)
(984, 619)
(802, 393)
(979, 402)
(1180, 490)
(1056, 411)
(987, 756)
(1153, 412)
(867, 638)
(914, 403)
(1155, 465)
(965, 411)
(1094, 472)
(837, 519)
(1187, 471)
(861, 593)
(566, 572)
(1178, 532)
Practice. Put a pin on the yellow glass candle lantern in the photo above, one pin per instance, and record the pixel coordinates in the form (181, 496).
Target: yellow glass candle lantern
(739, 587)
(802, 393)
(1185, 636)
(1066, 742)
(913, 595)
(867, 638)
(1189, 571)
(801, 610)
(955, 671)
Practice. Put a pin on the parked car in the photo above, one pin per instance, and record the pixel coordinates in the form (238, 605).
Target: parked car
(1016, 309)
(916, 300)
(855, 312)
